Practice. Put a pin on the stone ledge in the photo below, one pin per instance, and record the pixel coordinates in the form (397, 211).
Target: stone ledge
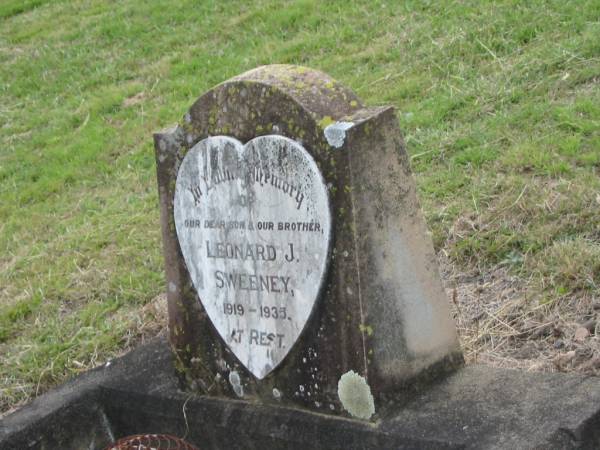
(476, 408)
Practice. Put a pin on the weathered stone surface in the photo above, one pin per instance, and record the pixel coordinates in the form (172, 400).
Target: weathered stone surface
(256, 246)
(381, 312)
(475, 408)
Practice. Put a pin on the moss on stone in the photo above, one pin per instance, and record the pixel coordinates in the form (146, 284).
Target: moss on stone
(366, 329)
(325, 121)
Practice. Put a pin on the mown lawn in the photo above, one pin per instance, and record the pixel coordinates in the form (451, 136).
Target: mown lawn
(499, 103)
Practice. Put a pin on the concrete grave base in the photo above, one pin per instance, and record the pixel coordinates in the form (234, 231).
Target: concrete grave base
(474, 408)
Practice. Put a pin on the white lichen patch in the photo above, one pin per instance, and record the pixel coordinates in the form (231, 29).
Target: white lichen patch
(222, 364)
(234, 380)
(355, 395)
(336, 133)
(276, 394)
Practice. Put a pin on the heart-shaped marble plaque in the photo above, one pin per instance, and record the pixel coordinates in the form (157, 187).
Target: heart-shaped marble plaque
(253, 223)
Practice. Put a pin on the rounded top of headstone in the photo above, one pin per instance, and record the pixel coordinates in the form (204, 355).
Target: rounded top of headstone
(294, 101)
(314, 90)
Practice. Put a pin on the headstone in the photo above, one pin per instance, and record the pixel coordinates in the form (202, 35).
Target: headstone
(299, 268)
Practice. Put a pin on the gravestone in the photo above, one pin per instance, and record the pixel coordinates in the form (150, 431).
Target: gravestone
(299, 268)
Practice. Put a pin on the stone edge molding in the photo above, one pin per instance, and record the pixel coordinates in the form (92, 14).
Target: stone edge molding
(476, 407)
(383, 313)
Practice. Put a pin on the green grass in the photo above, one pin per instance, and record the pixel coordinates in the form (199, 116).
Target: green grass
(499, 103)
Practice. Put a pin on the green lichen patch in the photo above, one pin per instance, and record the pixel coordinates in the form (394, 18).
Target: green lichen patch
(368, 329)
(355, 395)
(326, 121)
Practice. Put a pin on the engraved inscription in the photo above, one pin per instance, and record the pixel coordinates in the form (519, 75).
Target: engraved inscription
(253, 223)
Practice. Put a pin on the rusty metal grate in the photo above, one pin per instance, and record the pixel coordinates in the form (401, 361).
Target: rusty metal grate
(151, 442)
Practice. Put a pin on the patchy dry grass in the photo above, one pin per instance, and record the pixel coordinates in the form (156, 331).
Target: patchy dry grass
(500, 106)
(504, 324)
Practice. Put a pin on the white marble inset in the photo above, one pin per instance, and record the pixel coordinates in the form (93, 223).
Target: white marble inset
(336, 133)
(253, 223)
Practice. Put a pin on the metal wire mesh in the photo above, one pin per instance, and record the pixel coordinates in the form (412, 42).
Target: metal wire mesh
(151, 442)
